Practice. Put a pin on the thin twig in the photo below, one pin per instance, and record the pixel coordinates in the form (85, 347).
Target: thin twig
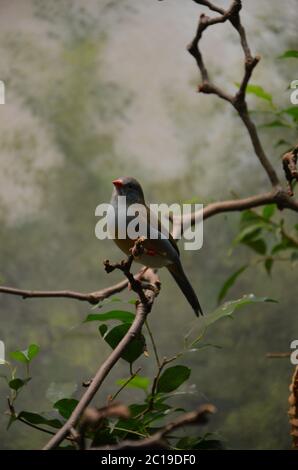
(112, 398)
(278, 355)
(161, 366)
(153, 343)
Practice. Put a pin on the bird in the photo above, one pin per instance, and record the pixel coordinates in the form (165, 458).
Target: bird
(160, 250)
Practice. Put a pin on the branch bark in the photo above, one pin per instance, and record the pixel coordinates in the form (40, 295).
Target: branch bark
(279, 197)
(92, 297)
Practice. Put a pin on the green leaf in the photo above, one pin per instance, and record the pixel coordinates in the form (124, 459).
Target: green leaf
(292, 111)
(135, 382)
(35, 418)
(122, 315)
(259, 92)
(19, 356)
(16, 384)
(268, 211)
(172, 378)
(187, 443)
(285, 244)
(257, 245)
(281, 142)
(134, 349)
(66, 406)
(195, 443)
(128, 428)
(103, 329)
(32, 351)
(248, 216)
(228, 308)
(26, 355)
(249, 235)
(290, 54)
(209, 444)
(136, 409)
(249, 232)
(275, 123)
(224, 311)
(268, 265)
(229, 283)
(103, 435)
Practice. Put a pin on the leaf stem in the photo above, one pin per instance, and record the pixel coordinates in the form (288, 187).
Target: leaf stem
(125, 384)
(153, 343)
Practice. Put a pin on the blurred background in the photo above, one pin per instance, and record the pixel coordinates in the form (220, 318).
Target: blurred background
(99, 89)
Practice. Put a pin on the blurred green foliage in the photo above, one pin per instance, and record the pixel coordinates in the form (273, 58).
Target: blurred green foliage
(60, 152)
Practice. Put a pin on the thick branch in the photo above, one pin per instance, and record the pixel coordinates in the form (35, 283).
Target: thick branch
(281, 198)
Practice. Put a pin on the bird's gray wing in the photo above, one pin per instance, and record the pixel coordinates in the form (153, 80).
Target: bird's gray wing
(156, 222)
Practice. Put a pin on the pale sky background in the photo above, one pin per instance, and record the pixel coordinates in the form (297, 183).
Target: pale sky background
(145, 54)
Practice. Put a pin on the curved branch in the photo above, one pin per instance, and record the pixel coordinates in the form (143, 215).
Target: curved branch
(91, 297)
(281, 198)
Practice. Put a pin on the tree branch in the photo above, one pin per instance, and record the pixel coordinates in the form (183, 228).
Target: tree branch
(91, 297)
(143, 308)
(279, 197)
(238, 101)
(199, 416)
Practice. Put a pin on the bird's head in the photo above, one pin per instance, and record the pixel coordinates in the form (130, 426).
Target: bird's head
(129, 187)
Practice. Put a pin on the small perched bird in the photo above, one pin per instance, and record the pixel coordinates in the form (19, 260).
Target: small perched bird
(160, 250)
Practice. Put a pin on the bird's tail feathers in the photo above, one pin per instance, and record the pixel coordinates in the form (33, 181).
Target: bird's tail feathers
(179, 275)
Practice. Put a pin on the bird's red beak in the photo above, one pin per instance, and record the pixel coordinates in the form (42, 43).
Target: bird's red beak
(118, 183)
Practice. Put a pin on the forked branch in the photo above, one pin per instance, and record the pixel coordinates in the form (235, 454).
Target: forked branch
(238, 101)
